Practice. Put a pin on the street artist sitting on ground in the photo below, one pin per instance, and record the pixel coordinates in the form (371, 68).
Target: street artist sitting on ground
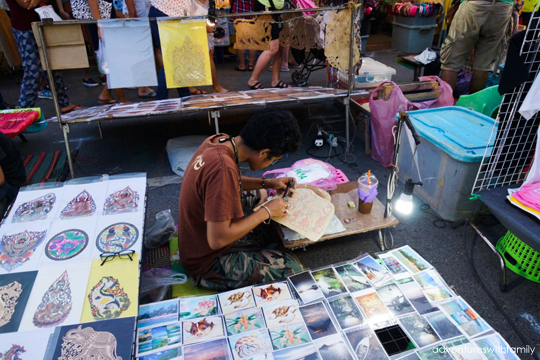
(219, 246)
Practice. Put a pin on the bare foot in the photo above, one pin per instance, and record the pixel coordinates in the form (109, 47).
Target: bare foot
(146, 92)
(220, 90)
(124, 101)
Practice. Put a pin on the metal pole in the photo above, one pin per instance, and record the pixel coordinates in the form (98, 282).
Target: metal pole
(64, 127)
(351, 82)
(502, 284)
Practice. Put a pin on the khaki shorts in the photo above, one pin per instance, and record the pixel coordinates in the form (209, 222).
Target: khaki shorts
(481, 26)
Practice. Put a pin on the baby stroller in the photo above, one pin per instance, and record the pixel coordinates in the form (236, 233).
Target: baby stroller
(309, 62)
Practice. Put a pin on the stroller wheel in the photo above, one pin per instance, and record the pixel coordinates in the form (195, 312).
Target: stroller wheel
(298, 79)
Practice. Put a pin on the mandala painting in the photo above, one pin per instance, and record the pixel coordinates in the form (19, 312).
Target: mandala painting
(117, 237)
(55, 305)
(82, 205)
(107, 299)
(9, 296)
(36, 209)
(87, 343)
(123, 201)
(13, 353)
(66, 244)
(17, 249)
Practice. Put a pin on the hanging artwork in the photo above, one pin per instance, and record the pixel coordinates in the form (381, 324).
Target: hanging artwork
(128, 52)
(14, 293)
(120, 202)
(111, 340)
(31, 345)
(108, 299)
(338, 39)
(117, 237)
(36, 209)
(82, 205)
(66, 244)
(301, 32)
(17, 249)
(55, 304)
(112, 290)
(221, 32)
(185, 52)
(253, 34)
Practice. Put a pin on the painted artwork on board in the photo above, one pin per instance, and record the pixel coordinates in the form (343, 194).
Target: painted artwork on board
(235, 300)
(198, 307)
(15, 290)
(17, 249)
(244, 320)
(289, 335)
(110, 339)
(108, 299)
(121, 202)
(82, 205)
(271, 293)
(55, 304)
(66, 244)
(117, 237)
(36, 209)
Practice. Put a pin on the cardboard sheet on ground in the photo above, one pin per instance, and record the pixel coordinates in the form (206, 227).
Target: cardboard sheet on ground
(186, 59)
(57, 297)
(32, 344)
(308, 214)
(33, 205)
(253, 35)
(128, 50)
(21, 246)
(338, 39)
(112, 290)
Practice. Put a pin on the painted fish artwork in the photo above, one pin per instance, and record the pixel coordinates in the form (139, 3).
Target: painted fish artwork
(9, 297)
(66, 244)
(17, 249)
(82, 205)
(117, 237)
(36, 209)
(86, 343)
(55, 304)
(120, 202)
(108, 299)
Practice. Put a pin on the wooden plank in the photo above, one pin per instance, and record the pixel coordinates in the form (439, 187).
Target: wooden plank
(423, 96)
(360, 223)
(419, 86)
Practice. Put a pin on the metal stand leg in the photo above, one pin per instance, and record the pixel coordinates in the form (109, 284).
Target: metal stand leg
(100, 130)
(65, 129)
(381, 240)
(502, 285)
(23, 138)
(215, 114)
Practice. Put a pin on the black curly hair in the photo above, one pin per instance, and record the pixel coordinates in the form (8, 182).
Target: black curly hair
(275, 129)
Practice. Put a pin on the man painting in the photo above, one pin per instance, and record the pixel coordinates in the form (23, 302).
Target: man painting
(214, 196)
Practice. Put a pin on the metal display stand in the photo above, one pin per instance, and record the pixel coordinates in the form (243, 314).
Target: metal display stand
(507, 163)
(213, 114)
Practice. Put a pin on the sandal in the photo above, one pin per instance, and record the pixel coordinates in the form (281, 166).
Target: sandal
(151, 94)
(237, 68)
(199, 92)
(71, 108)
(281, 85)
(251, 67)
(256, 86)
(107, 102)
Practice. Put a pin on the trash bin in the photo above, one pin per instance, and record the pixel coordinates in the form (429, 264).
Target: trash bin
(454, 140)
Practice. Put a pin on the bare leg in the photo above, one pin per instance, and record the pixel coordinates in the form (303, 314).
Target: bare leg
(85, 74)
(276, 71)
(121, 97)
(285, 58)
(242, 59)
(450, 77)
(105, 94)
(263, 61)
(252, 57)
(478, 81)
(215, 82)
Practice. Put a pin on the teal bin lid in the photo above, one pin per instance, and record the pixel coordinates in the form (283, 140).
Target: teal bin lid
(461, 133)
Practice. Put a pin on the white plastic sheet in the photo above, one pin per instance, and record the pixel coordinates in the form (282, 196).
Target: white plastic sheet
(128, 51)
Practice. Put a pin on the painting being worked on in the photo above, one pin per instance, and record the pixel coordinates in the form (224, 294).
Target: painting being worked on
(308, 215)
(18, 248)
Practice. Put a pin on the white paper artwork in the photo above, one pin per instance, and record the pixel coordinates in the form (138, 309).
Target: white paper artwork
(129, 53)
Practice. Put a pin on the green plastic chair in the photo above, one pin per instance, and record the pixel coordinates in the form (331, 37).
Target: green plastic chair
(486, 101)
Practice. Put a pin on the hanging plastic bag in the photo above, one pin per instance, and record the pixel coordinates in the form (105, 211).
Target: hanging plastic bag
(180, 150)
(47, 12)
(446, 98)
(159, 277)
(162, 231)
(309, 171)
(100, 57)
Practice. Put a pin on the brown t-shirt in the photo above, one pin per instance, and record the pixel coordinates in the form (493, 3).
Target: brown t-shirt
(210, 192)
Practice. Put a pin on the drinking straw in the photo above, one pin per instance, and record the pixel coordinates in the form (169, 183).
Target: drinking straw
(368, 177)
